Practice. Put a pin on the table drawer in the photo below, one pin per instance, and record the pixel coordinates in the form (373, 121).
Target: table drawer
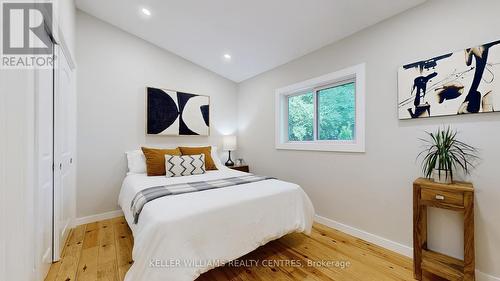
(444, 197)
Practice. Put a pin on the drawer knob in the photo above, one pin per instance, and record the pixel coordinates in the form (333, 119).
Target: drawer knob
(439, 197)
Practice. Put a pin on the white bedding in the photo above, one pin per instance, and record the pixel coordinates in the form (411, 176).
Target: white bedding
(186, 235)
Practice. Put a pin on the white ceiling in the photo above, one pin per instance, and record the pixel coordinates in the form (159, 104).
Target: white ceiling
(259, 34)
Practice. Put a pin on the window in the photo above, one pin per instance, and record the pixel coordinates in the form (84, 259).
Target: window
(336, 112)
(301, 117)
(324, 113)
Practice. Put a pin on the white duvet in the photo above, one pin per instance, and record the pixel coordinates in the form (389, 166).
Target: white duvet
(180, 237)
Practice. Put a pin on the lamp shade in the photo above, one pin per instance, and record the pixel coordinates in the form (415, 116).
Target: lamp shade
(229, 143)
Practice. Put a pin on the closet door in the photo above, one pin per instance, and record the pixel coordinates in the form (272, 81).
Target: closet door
(43, 194)
(64, 174)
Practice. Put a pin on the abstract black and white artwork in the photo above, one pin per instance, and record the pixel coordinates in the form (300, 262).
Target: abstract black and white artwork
(455, 83)
(175, 113)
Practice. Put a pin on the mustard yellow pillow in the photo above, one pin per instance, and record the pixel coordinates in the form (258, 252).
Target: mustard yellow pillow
(206, 150)
(155, 159)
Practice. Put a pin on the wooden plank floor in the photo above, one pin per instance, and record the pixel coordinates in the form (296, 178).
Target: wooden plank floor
(102, 251)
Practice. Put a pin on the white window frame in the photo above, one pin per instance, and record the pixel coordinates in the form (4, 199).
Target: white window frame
(352, 74)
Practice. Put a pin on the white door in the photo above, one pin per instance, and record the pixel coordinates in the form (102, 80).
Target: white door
(64, 174)
(43, 194)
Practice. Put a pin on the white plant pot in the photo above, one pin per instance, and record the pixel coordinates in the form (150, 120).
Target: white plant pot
(441, 176)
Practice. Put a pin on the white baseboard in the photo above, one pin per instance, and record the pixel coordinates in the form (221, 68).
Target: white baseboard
(98, 217)
(480, 276)
(385, 243)
(372, 238)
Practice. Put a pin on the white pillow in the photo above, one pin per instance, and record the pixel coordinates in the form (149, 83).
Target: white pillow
(184, 165)
(136, 162)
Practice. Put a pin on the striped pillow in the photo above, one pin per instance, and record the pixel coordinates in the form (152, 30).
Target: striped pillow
(184, 165)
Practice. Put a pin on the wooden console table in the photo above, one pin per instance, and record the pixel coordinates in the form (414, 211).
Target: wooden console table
(459, 197)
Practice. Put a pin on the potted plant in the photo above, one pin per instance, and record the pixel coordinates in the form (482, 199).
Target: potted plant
(443, 154)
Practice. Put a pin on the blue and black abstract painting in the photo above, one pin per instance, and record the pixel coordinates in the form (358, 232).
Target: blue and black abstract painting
(455, 83)
(176, 113)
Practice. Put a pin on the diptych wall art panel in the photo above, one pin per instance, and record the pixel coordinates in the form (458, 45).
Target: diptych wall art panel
(174, 113)
(466, 81)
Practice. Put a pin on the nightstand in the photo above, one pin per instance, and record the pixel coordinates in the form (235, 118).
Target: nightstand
(243, 168)
(459, 197)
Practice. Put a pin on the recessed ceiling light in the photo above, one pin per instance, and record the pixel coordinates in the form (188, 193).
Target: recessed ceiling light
(227, 56)
(146, 11)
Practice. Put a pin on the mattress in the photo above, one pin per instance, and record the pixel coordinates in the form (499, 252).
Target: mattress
(180, 237)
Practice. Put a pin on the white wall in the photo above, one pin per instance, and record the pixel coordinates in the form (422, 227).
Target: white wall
(3, 182)
(18, 99)
(372, 191)
(17, 186)
(114, 69)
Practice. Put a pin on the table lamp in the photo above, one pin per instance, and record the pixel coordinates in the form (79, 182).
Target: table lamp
(229, 144)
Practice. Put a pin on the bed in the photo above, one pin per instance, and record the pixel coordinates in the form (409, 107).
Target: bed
(180, 237)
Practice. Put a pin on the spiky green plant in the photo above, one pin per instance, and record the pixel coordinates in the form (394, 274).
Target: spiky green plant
(445, 153)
